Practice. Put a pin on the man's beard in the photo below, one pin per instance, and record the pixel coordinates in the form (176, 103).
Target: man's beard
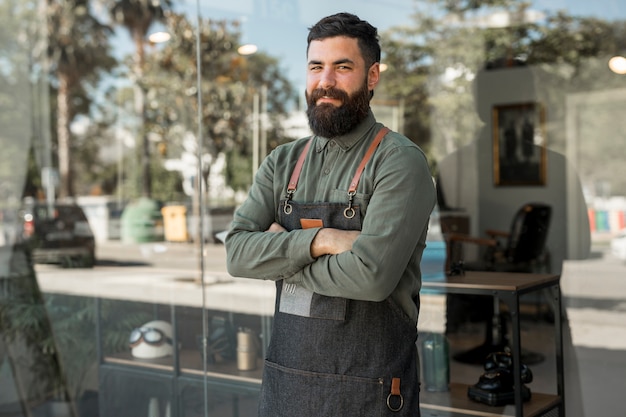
(329, 121)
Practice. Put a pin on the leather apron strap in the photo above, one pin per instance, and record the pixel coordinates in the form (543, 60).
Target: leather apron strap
(295, 175)
(368, 155)
(293, 182)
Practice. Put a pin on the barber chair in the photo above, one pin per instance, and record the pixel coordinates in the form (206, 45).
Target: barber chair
(521, 249)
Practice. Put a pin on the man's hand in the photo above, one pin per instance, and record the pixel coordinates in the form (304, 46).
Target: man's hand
(327, 241)
(333, 241)
(276, 228)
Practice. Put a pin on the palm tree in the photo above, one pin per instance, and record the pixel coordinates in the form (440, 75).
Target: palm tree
(137, 16)
(78, 50)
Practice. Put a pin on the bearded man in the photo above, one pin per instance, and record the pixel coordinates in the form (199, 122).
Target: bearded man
(339, 220)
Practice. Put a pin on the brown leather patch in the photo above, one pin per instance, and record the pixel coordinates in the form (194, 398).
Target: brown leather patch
(395, 386)
(311, 223)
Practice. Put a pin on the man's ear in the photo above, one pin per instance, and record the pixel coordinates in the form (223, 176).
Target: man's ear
(373, 76)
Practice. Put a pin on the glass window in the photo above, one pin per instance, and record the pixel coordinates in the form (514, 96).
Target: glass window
(136, 129)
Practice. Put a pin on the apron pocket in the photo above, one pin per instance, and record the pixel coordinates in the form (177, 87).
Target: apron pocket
(290, 392)
(299, 301)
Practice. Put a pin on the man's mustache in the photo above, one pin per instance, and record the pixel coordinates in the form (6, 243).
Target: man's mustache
(328, 92)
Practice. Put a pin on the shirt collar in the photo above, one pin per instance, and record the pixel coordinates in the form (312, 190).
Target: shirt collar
(348, 140)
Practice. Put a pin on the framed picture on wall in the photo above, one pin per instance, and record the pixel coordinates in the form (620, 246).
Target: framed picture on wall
(519, 145)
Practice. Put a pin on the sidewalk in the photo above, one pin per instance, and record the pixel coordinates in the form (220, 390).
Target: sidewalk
(163, 254)
(161, 273)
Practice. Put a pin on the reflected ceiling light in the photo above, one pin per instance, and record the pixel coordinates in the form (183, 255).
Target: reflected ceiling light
(247, 49)
(498, 20)
(159, 37)
(617, 64)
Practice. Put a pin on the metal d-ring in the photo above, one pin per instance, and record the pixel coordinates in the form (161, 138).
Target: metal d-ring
(394, 409)
(288, 208)
(349, 212)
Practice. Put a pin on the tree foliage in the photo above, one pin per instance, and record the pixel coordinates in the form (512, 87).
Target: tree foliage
(137, 16)
(431, 66)
(78, 55)
(169, 115)
(228, 83)
(19, 40)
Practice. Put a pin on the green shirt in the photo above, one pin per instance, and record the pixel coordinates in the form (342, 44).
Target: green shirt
(395, 195)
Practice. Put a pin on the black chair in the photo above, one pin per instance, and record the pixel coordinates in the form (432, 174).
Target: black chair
(521, 249)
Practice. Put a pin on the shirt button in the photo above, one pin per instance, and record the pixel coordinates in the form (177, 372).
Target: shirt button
(331, 143)
(326, 171)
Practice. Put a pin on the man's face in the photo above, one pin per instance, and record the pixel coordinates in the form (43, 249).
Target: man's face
(338, 86)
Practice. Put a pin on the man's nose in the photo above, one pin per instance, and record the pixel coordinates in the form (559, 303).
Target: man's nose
(327, 79)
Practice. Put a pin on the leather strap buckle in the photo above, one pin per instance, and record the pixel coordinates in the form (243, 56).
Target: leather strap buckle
(395, 392)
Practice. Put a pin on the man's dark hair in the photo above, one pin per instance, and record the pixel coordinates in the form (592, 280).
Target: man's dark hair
(346, 24)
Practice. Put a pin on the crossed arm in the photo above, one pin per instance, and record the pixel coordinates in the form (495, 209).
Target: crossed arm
(327, 241)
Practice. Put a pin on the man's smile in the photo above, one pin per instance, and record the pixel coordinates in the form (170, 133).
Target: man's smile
(329, 100)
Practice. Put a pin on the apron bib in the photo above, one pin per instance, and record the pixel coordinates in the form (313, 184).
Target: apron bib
(331, 356)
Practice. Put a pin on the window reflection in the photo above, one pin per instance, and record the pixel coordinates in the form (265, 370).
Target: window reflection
(92, 113)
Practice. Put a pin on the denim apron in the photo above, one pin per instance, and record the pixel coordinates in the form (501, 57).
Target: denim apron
(332, 356)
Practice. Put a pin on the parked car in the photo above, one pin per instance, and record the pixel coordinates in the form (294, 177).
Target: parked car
(618, 245)
(58, 234)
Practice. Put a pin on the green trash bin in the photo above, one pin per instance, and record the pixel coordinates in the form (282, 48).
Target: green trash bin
(142, 221)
